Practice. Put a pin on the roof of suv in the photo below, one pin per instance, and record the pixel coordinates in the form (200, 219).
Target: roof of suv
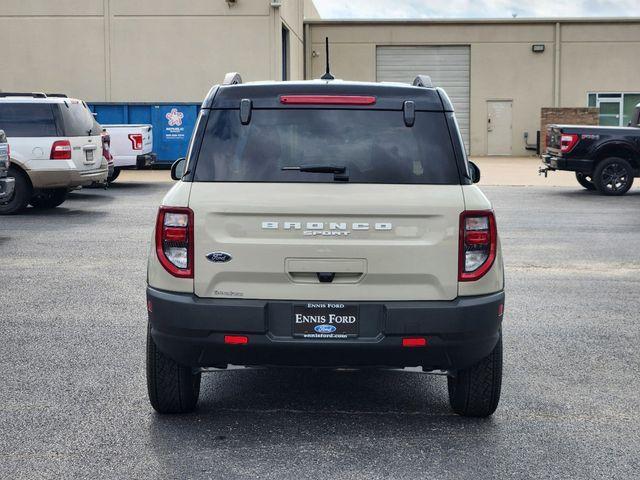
(388, 96)
(29, 98)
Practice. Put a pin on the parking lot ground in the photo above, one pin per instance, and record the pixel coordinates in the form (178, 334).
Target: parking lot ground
(72, 386)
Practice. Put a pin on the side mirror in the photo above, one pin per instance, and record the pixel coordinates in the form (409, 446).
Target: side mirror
(475, 172)
(177, 169)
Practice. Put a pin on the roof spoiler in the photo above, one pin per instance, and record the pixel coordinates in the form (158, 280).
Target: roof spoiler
(422, 81)
(57, 95)
(232, 78)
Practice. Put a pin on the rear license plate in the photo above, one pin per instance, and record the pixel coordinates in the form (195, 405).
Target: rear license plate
(89, 156)
(325, 320)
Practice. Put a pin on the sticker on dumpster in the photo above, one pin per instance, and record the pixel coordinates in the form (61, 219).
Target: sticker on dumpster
(174, 129)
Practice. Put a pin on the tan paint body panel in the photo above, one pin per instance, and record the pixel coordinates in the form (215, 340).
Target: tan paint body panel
(415, 260)
(418, 260)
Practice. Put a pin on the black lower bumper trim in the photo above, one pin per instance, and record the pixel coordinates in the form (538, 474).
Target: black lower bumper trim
(570, 164)
(191, 330)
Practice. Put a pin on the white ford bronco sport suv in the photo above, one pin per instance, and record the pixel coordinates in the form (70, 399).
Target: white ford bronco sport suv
(325, 224)
(56, 146)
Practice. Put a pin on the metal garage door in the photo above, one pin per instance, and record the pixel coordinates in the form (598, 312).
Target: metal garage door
(448, 67)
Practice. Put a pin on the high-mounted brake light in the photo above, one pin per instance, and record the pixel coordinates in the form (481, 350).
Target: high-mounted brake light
(136, 141)
(327, 100)
(61, 150)
(174, 240)
(568, 141)
(478, 244)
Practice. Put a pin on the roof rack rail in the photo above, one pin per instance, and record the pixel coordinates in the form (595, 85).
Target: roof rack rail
(57, 95)
(232, 78)
(422, 81)
(23, 94)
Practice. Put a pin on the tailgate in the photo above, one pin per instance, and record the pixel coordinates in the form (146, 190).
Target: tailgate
(554, 139)
(86, 152)
(326, 241)
(130, 140)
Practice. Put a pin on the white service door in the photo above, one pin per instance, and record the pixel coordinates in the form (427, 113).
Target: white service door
(499, 128)
(448, 67)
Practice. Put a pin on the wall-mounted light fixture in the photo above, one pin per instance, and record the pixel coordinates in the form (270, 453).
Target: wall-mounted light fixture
(276, 3)
(537, 48)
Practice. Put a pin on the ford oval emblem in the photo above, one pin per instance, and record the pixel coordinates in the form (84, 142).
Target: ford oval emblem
(219, 257)
(324, 328)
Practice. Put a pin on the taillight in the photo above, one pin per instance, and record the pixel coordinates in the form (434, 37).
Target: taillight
(61, 150)
(174, 240)
(106, 146)
(136, 141)
(568, 141)
(478, 244)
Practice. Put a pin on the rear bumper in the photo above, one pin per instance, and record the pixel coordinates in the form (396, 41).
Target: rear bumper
(6, 187)
(146, 160)
(135, 161)
(68, 178)
(191, 330)
(553, 162)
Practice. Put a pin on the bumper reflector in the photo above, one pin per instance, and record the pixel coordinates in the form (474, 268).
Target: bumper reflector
(236, 339)
(414, 342)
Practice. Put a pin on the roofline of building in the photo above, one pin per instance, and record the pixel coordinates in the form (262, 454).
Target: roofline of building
(427, 21)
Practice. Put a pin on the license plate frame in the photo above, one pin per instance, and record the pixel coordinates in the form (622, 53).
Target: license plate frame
(325, 320)
(89, 156)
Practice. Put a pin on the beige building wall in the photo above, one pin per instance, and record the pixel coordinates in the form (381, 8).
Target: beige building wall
(602, 57)
(147, 50)
(591, 56)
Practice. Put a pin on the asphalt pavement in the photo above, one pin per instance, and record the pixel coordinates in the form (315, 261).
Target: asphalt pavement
(73, 398)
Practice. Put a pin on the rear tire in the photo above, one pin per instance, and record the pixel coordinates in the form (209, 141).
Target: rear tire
(585, 181)
(475, 391)
(49, 198)
(172, 388)
(21, 195)
(613, 176)
(116, 174)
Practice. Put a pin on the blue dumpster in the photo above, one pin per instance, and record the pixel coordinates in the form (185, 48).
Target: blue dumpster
(172, 123)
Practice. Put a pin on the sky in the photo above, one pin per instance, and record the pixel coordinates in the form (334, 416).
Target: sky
(476, 8)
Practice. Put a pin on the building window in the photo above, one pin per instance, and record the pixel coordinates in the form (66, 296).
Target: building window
(285, 53)
(616, 109)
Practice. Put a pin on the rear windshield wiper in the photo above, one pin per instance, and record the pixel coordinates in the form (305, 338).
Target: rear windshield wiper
(339, 172)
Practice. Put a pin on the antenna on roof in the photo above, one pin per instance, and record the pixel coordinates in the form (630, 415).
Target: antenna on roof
(327, 75)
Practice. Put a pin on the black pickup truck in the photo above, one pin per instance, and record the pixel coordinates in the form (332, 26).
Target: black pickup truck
(605, 159)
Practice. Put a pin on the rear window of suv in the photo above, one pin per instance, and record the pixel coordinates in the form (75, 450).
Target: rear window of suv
(28, 119)
(375, 146)
(77, 120)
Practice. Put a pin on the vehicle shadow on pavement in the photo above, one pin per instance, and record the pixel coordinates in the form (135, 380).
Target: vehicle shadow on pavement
(138, 185)
(582, 193)
(101, 195)
(299, 390)
(62, 211)
(265, 415)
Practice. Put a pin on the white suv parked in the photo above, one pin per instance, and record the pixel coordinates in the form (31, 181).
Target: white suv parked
(56, 146)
